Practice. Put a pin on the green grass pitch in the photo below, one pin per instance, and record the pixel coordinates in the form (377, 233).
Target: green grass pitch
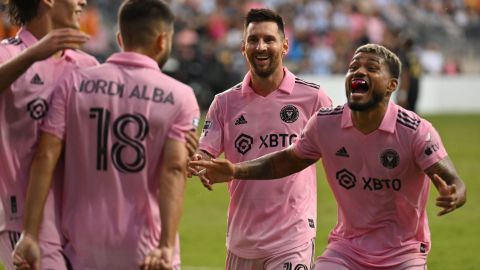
(455, 237)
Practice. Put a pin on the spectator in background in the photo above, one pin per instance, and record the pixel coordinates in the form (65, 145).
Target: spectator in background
(407, 95)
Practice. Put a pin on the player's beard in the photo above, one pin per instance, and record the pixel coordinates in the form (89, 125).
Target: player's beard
(375, 99)
(265, 72)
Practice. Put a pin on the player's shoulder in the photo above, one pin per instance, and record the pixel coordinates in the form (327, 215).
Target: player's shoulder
(84, 58)
(330, 112)
(303, 84)
(232, 92)
(409, 120)
(10, 47)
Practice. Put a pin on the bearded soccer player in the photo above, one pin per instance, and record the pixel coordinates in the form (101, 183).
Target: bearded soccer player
(377, 157)
(43, 52)
(122, 126)
(270, 224)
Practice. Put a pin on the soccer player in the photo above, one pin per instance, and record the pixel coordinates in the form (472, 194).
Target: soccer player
(122, 126)
(271, 225)
(44, 50)
(376, 156)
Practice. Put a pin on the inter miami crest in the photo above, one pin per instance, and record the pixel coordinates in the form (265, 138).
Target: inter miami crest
(289, 114)
(389, 158)
(38, 108)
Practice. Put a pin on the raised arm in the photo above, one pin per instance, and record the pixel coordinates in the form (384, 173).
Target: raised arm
(275, 165)
(27, 251)
(172, 177)
(55, 41)
(451, 188)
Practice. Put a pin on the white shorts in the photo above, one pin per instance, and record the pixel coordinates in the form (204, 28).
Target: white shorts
(300, 258)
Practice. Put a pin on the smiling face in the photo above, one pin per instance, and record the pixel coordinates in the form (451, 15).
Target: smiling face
(368, 82)
(264, 47)
(66, 13)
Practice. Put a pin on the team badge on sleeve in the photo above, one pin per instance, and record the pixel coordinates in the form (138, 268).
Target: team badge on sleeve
(289, 114)
(195, 122)
(390, 159)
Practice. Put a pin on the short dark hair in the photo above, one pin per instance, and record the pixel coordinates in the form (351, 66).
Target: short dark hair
(139, 20)
(265, 15)
(393, 63)
(22, 11)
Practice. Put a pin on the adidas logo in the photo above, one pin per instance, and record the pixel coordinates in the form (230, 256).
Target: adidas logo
(240, 121)
(342, 152)
(36, 80)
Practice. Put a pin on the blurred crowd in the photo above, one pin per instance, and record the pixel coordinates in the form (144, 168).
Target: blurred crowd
(322, 35)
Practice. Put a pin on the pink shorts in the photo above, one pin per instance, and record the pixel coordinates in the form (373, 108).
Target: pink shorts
(52, 257)
(300, 258)
(332, 260)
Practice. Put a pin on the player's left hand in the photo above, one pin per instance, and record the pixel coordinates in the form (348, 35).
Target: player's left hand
(26, 254)
(160, 258)
(192, 142)
(448, 197)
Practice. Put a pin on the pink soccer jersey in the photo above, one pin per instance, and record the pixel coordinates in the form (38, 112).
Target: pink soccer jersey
(265, 217)
(378, 181)
(22, 108)
(114, 120)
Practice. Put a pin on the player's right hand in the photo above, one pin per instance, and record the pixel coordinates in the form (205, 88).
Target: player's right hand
(216, 170)
(57, 40)
(160, 258)
(26, 254)
(195, 170)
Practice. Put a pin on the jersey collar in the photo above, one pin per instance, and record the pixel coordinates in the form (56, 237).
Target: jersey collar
(26, 37)
(286, 85)
(133, 59)
(388, 123)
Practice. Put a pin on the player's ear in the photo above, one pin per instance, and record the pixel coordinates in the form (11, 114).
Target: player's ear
(119, 39)
(243, 48)
(285, 47)
(48, 3)
(392, 85)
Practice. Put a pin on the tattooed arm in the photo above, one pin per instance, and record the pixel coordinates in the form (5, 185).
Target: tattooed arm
(275, 165)
(451, 188)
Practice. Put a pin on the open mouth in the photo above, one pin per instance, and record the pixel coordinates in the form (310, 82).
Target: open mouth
(359, 86)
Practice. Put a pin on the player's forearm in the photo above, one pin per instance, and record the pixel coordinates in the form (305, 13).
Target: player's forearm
(41, 174)
(275, 165)
(11, 70)
(171, 193)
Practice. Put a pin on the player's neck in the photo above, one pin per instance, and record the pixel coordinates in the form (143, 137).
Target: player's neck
(369, 120)
(263, 86)
(39, 26)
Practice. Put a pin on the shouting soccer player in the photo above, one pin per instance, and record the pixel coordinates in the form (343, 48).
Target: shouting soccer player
(376, 157)
(31, 64)
(270, 224)
(122, 126)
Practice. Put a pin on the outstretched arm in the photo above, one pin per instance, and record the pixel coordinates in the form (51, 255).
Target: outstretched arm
(57, 40)
(46, 157)
(452, 190)
(275, 165)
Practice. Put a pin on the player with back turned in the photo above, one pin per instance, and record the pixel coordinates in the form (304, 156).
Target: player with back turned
(377, 157)
(122, 126)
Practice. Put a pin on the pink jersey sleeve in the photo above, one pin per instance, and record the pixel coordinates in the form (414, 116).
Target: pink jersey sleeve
(187, 119)
(428, 146)
(307, 146)
(55, 122)
(211, 139)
